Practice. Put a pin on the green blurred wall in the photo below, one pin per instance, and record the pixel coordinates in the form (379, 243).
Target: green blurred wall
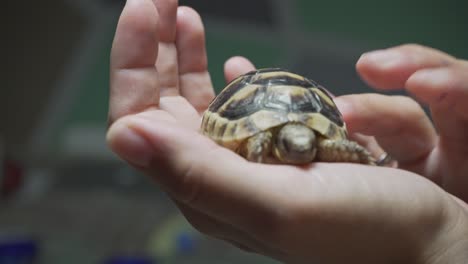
(436, 23)
(374, 24)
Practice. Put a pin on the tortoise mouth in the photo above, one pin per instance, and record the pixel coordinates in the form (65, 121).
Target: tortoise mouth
(295, 144)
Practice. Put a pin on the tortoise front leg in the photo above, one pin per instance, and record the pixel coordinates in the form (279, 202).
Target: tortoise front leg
(258, 147)
(343, 151)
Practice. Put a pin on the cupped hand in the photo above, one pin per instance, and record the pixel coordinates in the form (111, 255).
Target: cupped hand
(324, 213)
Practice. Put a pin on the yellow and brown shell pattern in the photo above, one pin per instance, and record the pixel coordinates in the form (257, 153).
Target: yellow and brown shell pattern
(268, 99)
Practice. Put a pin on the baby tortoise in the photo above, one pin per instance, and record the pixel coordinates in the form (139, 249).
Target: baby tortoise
(275, 116)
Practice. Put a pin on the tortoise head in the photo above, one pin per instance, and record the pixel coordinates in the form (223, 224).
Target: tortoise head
(295, 143)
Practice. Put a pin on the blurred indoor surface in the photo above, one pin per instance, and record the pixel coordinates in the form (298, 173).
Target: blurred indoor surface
(65, 198)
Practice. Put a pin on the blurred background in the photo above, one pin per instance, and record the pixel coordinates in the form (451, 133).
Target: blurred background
(65, 198)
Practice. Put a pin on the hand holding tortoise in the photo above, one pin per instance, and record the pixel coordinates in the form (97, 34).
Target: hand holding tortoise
(321, 212)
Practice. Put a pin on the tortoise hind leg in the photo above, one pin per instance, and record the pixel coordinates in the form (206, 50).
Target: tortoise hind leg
(258, 147)
(343, 151)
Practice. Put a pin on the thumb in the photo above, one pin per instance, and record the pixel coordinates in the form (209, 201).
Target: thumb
(196, 171)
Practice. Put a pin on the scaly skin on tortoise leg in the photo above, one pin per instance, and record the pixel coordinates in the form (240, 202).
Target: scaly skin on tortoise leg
(343, 151)
(258, 147)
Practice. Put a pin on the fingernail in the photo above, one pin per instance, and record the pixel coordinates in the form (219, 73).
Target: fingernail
(383, 58)
(129, 144)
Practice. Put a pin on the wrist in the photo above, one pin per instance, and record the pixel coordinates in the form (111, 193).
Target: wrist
(450, 245)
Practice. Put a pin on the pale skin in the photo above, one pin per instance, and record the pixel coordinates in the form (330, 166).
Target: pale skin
(328, 213)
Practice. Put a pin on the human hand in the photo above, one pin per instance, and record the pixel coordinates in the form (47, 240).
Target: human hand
(399, 124)
(329, 213)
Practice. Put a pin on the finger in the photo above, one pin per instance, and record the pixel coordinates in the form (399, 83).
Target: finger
(236, 66)
(195, 82)
(398, 123)
(390, 68)
(446, 91)
(168, 13)
(166, 62)
(133, 80)
(442, 88)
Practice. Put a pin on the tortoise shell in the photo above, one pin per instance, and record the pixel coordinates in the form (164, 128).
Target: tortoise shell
(267, 99)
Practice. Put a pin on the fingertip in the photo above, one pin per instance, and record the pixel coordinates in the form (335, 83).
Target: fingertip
(168, 17)
(140, 16)
(134, 136)
(188, 19)
(236, 66)
(136, 35)
(382, 69)
(364, 68)
(190, 41)
(186, 14)
(356, 114)
(389, 69)
(345, 104)
(168, 138)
